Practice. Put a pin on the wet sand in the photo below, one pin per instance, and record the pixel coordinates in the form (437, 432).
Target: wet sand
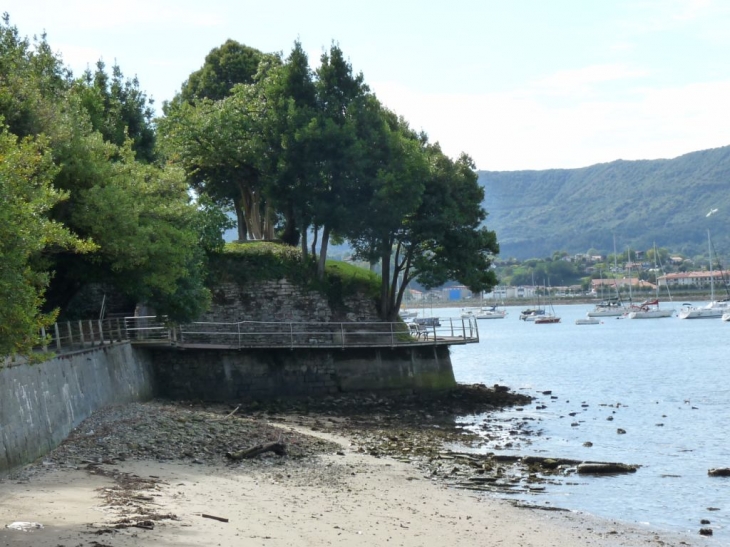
(332, 498)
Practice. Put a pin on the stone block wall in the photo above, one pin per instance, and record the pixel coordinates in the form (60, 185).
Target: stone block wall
(283, 301)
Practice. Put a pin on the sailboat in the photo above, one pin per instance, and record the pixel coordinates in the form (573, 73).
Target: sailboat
(714, 308)
(548, 317)
(611, 307)
(649, 309)
(529, 314)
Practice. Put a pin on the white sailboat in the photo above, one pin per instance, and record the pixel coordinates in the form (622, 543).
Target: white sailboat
(713, 309)
(549, 317)
(611, 307)
(649, 309)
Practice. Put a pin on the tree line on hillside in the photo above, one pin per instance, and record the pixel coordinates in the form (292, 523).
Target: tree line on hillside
(95, 190)
(639, 203)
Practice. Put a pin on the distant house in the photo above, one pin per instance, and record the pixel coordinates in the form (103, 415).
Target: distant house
(692, 279)
(597, 285)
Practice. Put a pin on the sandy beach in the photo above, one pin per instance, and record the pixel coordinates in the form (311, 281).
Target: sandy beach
(326, 491)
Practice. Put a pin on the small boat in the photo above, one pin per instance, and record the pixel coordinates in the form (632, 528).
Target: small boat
(649, 309)
(530, 314)
(588, 321)
(711, 310)
(546, 319)
(613, 307)
(408, 314)
(491, 313)
(726, 316)
(715, 308)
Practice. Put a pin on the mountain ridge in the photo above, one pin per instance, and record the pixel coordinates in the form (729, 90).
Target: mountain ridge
(640, 202)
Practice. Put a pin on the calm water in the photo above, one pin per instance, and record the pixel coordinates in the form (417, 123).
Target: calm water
(664, 381)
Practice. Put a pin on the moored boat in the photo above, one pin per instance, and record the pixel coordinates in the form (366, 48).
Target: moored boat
(588, 321)
(491, 313)
(546, 319)
(613, 307)
(649, 309)
(713, 309)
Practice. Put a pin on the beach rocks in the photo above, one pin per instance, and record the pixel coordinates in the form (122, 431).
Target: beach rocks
(605, 468)
(719, 472)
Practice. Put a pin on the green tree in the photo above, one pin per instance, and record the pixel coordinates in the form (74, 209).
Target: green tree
(32, 82)
(118, 109)
(341, 97)
(214, 129)
(291, 99)
(27, 195)
(225, 66)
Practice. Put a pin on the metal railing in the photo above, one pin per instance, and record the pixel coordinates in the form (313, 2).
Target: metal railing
(73, 336)
(259, 334)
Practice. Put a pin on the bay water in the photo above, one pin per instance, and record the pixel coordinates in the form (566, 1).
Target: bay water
(662, 381)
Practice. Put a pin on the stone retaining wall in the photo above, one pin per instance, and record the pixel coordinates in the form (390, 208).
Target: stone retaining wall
(283, 301)
(232, 375)
(40, 404)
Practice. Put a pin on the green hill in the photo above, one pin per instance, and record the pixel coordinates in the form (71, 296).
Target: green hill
(640, 202)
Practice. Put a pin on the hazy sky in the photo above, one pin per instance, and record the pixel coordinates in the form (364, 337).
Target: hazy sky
(517, 84)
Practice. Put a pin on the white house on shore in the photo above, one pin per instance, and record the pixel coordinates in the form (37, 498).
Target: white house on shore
(693, 279)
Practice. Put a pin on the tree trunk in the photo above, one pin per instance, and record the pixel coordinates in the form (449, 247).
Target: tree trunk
(290, 235)
(315, 235)
(251, 211)
(323, 252)
(241, 221)
(386, 311)
(305, 250)
(268, 228)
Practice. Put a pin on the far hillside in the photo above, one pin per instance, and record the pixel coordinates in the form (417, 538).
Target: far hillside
(640, 202)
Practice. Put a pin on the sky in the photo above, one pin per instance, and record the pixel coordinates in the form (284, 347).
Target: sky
(516, 84)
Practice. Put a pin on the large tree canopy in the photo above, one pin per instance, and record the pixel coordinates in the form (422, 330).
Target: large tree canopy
(27, 195)
(316, 149)
(78, 173)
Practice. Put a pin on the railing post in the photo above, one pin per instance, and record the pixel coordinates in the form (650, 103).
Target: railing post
(91, 329)
(451, 322)
(463, 326)
(119, 330)
(58, 337)
(70, 335)
(101, 333)
(342, 331)
(392, 335)
(81, 334)
(43, 337)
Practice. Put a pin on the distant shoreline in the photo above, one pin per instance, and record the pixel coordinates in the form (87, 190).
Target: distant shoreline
(677, 299)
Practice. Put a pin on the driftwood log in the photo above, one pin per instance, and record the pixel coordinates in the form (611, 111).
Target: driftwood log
(277, 448)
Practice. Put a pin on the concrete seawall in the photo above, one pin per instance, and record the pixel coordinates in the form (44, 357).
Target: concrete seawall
(229, 375)
(40, 404)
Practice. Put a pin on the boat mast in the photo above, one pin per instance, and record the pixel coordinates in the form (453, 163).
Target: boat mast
(615, 272)
(712, 273)
(628, 262)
